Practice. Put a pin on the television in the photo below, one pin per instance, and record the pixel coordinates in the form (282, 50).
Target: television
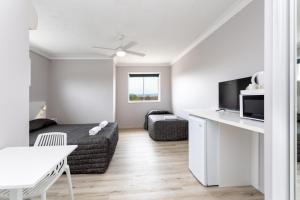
(229, 92)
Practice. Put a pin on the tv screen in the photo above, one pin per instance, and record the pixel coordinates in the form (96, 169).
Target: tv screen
(229, 92)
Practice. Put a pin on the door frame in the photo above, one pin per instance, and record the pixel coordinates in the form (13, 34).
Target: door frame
(293, 98)
(280, 90)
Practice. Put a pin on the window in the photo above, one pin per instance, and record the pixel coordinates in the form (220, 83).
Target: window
(143, 87)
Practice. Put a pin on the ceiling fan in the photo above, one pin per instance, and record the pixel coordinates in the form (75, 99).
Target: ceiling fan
(122, 50)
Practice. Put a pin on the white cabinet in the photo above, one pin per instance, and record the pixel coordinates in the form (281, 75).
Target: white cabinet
(226, 150)
(203, 150)
(197, 145)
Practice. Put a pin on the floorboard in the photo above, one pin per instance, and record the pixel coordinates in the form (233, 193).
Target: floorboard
(144, 169)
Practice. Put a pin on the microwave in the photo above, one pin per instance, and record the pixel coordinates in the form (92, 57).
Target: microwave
(252, 106)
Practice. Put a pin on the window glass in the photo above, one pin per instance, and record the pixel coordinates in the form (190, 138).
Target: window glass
(136, 89)
(151, 87)
(143, 87)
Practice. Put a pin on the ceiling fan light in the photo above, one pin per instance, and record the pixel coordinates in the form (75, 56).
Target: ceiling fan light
(121, 53)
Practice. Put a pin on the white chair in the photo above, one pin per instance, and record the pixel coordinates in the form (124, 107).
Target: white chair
(47, 139)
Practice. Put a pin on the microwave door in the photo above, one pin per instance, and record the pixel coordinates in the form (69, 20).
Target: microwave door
(253, 107)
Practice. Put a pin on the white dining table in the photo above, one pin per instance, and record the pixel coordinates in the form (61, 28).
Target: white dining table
(24, 167)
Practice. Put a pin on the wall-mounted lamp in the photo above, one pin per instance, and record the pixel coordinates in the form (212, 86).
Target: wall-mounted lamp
(33, 17)
(42, 112)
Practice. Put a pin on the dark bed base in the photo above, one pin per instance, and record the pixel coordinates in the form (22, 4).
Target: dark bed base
(167, 130)
(94, 153)
(154, 112)
(298, 148)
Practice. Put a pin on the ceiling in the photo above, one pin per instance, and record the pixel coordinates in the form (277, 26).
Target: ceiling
(298, 22)
(162, 28)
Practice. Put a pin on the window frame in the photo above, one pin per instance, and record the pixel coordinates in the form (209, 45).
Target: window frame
(144, 101)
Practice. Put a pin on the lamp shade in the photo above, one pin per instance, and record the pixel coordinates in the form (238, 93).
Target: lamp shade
(121, 53)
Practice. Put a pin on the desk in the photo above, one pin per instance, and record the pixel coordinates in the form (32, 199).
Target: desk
(231, 118)
(240, 148)
(24, 167)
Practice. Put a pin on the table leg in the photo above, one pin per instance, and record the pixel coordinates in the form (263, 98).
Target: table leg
(16, 194)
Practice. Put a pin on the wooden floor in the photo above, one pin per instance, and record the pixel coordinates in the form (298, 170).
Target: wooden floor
(298, 182)
(144, 169)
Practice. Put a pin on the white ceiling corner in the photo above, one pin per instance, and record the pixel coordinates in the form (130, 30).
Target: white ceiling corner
(231, 12)
(40, 52)
(298, 23)
(78, 57)
(68, 29)
(143, 65)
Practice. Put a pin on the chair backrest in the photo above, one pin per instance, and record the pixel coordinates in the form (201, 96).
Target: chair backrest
(51, 139)
(47, 139)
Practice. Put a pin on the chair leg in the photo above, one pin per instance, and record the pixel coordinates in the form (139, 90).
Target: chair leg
(70, 182)
(43, 196)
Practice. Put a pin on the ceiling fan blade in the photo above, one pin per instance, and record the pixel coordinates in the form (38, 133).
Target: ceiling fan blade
(135, 53)
(96, 47)
(129, 45)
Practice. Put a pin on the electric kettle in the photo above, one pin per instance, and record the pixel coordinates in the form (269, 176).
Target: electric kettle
(258, 80)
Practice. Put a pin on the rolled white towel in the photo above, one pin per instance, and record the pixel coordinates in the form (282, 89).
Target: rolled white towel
(95, 130)
(103, 124)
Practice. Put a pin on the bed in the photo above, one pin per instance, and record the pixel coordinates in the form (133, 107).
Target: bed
(298, 140)
(154, 112)
(167, 128)
(93, 154)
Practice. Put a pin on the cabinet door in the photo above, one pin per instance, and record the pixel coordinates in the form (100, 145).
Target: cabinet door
(197, 148)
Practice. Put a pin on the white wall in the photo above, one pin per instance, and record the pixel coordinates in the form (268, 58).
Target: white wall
(114, 90)
(39, 84)
(80, 91)
(235, 50)
(15, 73)
(39, 77)
(132, 115)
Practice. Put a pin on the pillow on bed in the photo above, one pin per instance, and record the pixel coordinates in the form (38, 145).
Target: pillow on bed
(38, 124)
